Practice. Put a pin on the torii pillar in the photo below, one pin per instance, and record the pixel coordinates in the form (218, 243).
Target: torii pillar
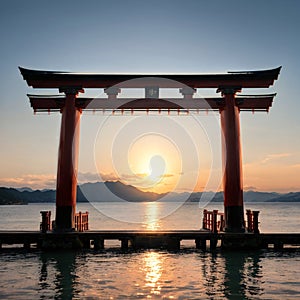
(66, 183)
(232, 162)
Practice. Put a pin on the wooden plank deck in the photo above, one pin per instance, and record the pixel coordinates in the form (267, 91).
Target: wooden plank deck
(136, 239)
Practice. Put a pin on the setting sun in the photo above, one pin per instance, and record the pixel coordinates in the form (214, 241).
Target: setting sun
(155, 161)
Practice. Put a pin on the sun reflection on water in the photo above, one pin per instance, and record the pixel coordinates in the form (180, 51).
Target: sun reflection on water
(152, 221)
(153, 271)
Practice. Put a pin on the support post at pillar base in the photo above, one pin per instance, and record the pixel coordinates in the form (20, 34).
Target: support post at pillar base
(99, 244)
(64, 219)
(200, 244)
(234, 219)
(213, 243)
(125, 244)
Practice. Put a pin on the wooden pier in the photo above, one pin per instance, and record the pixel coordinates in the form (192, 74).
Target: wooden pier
(132, 239)
(211, 236)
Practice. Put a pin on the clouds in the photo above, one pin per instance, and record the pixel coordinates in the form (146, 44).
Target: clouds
(250, 188)
(169, 175)
(48, 181)
(286, 158)
(278, 172)
(34, 181)
(275, 157)
(87, 177)
(133, 177)
(147, 182)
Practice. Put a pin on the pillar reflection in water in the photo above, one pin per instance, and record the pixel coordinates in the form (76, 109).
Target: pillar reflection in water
(57, 275)
(243, 275)
(213, 274)
(232, 275)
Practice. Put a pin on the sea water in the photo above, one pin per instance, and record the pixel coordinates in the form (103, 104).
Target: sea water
(150, 274)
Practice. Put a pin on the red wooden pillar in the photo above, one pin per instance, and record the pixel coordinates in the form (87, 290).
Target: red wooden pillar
(66, 182)
(232, 163)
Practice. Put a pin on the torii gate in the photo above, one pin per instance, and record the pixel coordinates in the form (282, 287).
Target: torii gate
(229, 106)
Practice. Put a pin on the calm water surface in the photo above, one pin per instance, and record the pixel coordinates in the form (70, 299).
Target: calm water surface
(150, 274)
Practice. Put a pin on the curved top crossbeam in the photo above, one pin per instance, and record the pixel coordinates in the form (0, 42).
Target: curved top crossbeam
(57, 79)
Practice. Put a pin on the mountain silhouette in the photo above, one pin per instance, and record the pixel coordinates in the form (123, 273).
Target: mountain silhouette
(116, 191)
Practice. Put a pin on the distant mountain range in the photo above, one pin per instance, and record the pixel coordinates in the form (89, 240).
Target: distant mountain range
(111, 191)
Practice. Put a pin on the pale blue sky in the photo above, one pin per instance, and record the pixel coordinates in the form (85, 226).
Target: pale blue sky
(150, 36)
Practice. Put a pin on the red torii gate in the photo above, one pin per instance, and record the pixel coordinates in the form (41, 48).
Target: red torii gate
(229, 106)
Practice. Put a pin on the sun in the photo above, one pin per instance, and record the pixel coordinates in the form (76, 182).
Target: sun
(157, 168)
(156, 163)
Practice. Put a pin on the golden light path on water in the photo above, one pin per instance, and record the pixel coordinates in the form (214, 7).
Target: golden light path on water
(153, 271)
(152, 216)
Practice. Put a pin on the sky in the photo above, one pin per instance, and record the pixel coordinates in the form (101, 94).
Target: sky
(154, 153)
